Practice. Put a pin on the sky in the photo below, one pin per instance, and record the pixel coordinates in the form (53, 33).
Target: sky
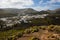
(35, 4)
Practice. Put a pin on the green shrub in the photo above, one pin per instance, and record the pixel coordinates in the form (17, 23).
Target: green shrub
(11, 38)
(27, 31)
(15, 36)
(51, 28)
(34, 38)
(43, 27)
(57, 29)
(19, 35)
(34, 30)
(40, 27)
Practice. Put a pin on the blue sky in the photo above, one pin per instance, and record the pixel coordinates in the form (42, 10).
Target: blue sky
(46, 4)
(35, 4)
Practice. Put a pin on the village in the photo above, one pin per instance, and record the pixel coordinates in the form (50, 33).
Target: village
(9, 21)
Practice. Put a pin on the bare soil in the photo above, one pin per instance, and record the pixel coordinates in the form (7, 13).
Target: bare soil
(42, 35)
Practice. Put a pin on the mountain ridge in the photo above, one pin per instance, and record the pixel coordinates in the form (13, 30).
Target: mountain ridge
(9, 12)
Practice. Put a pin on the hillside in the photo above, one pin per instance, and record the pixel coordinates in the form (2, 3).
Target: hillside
(51, 32)
(46, 28)
(9, 12)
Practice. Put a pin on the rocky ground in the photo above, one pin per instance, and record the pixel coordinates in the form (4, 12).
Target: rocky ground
(41, 35)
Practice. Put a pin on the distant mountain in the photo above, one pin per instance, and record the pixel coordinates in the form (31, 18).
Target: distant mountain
(56, 11)
(9, 12)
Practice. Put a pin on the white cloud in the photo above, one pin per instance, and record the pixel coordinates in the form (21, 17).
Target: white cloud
(15, 3)
(27, 3)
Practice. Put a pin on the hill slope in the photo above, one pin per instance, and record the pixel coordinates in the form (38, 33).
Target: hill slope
(14, 12)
